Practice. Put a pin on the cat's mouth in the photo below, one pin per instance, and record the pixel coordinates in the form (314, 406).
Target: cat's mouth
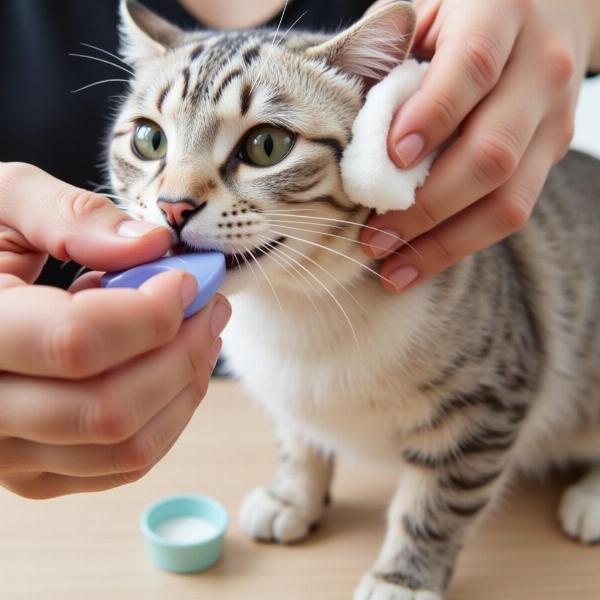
(235, 260)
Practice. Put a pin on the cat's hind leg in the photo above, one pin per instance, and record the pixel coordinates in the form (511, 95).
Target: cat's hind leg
(579, 511)
(286, 510)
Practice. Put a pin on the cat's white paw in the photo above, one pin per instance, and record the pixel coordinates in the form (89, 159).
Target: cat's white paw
(266, 517)
(579, 513)
(372, 587)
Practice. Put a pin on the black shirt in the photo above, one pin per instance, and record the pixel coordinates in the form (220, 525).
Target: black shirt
(43, 123)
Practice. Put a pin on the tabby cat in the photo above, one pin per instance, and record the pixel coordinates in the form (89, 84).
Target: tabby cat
(234, 140)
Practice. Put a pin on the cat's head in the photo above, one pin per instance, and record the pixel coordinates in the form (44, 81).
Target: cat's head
(234, 139)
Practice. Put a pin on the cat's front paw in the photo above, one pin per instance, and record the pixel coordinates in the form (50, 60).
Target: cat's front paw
(376, 586)
(268, 517)
(579, 513)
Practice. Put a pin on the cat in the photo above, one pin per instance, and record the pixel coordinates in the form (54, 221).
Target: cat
(234, 140)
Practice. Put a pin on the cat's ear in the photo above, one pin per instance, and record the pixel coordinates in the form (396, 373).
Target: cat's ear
(373, 46)
(144, 34)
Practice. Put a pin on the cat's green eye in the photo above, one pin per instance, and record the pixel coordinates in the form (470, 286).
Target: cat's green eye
(265, 146)
(149, 141)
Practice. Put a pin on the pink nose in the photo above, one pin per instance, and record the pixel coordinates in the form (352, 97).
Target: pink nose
(176, 213)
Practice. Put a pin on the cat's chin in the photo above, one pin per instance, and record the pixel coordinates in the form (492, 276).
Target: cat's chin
(237, 261)
(240, 274)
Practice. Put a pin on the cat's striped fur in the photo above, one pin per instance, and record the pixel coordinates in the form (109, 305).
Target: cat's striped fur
(489, 367)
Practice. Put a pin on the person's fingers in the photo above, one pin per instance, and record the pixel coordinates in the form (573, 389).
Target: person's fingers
(491, 145)
(10, 281)
(42, 486)
(137, 453)
(469, 59)
(482, 224)
(49, 332)
(113, 407)
(87, 281)
(18, 257)
(427, 11)
(41, 215)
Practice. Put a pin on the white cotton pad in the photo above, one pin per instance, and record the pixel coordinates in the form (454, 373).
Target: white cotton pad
(369, 177)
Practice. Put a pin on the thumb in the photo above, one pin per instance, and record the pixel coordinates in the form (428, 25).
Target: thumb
(53, 217)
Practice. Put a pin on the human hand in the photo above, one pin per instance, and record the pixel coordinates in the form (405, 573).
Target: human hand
(95, 384)
(506, 74)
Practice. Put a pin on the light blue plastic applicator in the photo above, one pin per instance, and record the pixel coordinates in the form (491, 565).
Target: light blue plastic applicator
(207, 267)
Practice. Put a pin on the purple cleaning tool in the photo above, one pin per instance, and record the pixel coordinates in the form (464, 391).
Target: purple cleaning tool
(207, 267)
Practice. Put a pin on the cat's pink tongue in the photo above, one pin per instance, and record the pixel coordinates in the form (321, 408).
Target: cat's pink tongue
(207, 267)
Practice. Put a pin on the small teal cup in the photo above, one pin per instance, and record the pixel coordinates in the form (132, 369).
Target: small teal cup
(184, 533)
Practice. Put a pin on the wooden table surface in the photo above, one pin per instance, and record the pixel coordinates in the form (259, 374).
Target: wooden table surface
(86, 547)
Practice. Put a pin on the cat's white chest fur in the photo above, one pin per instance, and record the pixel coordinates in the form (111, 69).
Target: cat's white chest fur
(309, 372)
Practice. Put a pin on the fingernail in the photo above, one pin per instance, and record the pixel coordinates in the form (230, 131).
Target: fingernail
(189, 287)
(402, 277)
(408, 149)
(213, 355)
(383, 242)
(220, 317)
(136, 229)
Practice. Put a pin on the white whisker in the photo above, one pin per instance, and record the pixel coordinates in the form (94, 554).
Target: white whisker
(291, 27)
(285, 6)
(329, 293)
(79, 273)
(363, 226)
(102, 60)
(290, 221)
(96, 187)
(257, 262)
(247, 263)
(89, 85)
(106, 52)
(333, 235)
(271, 47)
(279, 259)
(290, 210)
(322, 247)
(328, 273)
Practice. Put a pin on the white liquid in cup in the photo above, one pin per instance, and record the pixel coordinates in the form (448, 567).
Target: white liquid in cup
(186, 530)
